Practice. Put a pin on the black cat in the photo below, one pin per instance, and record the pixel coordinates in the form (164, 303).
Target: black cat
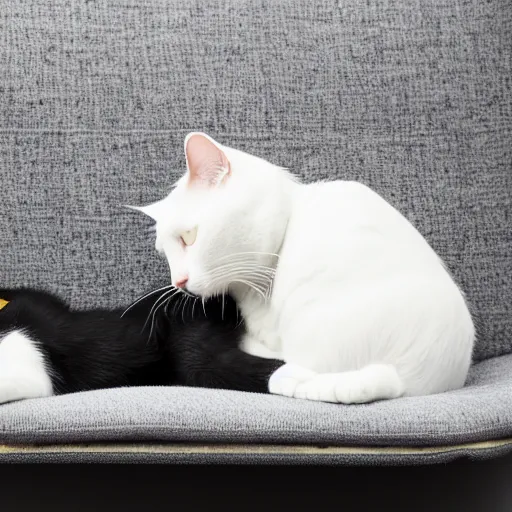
(47, 348)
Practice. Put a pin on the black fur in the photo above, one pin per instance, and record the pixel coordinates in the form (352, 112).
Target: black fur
(98, 348)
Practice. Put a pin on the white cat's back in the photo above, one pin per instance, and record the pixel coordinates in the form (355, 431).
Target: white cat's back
(342, 231)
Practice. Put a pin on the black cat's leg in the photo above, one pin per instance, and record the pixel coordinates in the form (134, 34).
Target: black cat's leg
(232, 369)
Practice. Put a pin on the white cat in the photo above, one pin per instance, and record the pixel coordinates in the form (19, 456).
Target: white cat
(329, 277)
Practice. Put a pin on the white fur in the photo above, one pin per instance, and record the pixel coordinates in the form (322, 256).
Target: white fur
(23, 372)
(361, 304)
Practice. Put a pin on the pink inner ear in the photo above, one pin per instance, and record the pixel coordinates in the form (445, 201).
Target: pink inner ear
(207, 164)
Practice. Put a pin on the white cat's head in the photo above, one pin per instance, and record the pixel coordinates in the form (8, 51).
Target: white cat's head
(224, 219)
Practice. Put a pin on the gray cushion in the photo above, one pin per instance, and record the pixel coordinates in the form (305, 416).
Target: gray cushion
(412, 98)
(481, 411)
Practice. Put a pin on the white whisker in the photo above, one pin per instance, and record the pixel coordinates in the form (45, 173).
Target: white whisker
(251, 285)
(133, 304)
(183, 308)
(246, 274)
(156, 305)
(177, 305)
(168, 302)
(244, 255)
(252, 268)
(193, 306)
(154, 319)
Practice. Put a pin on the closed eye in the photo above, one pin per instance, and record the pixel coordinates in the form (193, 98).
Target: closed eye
(189, 237)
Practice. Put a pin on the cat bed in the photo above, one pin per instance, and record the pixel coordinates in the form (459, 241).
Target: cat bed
(190, 425)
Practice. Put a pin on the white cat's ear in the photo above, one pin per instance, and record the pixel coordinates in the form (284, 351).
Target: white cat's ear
(151, 210)
(207, 163)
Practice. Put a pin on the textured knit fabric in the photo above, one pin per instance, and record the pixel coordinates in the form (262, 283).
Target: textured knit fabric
(481, 411)
(410, 97)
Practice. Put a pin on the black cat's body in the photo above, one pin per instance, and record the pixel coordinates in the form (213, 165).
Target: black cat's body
(97, 348)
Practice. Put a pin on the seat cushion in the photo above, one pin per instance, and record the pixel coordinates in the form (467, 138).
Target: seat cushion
(479, 412)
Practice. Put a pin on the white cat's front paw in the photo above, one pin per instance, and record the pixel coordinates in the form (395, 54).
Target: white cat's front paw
(285, 379)
(342, 388)
(374, 382)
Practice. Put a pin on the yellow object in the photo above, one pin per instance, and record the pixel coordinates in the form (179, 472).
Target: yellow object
(3, 303)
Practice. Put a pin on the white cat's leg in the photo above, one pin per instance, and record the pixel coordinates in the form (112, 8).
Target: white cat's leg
(371, 383)
(284, 380)
(23, 373)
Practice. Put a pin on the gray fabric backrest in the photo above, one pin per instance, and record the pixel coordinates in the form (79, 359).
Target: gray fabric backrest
(412, 97)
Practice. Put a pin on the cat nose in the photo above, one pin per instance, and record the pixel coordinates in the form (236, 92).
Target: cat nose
(182, 282)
